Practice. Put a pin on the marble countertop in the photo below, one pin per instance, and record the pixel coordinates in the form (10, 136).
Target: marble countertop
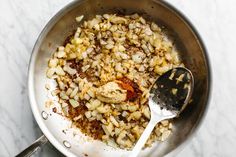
(20, 24)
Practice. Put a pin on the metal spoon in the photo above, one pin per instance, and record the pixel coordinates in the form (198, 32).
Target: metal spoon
(168, 97)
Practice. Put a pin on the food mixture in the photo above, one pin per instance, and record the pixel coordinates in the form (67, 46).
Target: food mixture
(104, 73)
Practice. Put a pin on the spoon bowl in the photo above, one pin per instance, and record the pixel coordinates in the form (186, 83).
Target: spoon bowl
(169, 96)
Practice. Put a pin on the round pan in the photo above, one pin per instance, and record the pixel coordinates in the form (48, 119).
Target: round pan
(192, 52)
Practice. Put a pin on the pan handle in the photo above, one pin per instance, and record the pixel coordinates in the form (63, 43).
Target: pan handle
(33, 147)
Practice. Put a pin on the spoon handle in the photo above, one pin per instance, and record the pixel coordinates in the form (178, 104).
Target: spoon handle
(142, 140)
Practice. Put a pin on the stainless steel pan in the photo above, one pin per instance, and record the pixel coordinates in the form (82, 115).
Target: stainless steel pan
(193, 54)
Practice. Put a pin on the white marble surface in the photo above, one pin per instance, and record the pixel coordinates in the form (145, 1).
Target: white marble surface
(21, 22)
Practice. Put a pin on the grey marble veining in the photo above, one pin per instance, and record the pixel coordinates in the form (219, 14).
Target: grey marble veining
(20, 24)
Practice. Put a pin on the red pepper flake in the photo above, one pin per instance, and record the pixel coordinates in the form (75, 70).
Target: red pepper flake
(54, 109)
(126, 86)
(132, 88)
